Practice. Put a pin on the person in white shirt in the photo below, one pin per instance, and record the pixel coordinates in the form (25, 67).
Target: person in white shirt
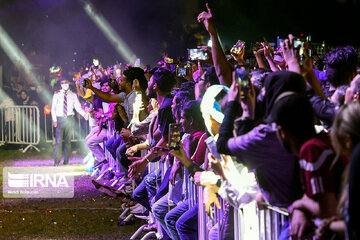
(62, 112)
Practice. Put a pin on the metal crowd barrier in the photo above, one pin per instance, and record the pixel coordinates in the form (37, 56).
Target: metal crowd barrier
(249, 222)
(20, 125)
(79, 133)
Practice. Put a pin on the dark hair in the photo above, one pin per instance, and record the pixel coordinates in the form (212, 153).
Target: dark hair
(103, 80)
(295, 113)
(184, 96)
(136, 73)
(211, 77)
(187, 86)
(341, 63)
(258, 76)
(153, 70)
(192, 109)
(165, 79)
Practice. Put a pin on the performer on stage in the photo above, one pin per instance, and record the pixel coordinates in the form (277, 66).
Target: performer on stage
(62, 112)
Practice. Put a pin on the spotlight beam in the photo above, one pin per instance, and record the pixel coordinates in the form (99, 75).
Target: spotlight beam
(18, 58)
(116, 41)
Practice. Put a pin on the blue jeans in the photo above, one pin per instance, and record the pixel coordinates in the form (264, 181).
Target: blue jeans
(182, 223)
(146, 190)
(112, 144)
(160, 209)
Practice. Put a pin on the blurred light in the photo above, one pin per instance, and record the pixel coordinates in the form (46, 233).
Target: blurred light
(209, 43)
(19, 59)
(75, 53)
(302, 34)
(47, 110)
(115, 40)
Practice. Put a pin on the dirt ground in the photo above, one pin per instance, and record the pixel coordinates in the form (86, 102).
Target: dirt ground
(88, 215)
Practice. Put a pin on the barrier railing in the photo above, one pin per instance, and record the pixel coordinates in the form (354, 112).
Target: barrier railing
(250, 222)
(79, 133)
(20, 125)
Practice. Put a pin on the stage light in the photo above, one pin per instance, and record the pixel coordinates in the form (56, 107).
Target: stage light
(116, 41)
(19, 59)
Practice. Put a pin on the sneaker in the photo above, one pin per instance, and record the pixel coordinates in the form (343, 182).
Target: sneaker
(98, 164)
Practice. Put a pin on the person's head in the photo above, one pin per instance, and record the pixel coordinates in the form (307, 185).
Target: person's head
(340, 65)
(257, 77)
(295, 118)
(161, 82)
(191, 118)
(38, 89)
(136, 76)
(64, 83)
(23, 94)
(353, 92)
(345, 133)
(129, 76)
(279, 82)
(179, 98)
(204, 82)
(104, 84)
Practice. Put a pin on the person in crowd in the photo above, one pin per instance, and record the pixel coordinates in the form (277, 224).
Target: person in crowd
(320, 168)
(345, 137)
(100, 132)
(159, 87)
(62, 112)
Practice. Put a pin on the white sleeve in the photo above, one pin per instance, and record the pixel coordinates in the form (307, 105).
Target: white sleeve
(53, 108)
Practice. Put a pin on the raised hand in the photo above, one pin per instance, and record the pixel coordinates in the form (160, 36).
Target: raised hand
(291, 54)
(208, 20)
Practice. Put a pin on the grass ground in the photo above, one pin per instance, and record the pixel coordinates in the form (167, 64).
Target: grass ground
(88, 215)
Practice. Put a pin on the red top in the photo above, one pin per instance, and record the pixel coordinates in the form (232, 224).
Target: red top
(318, 166)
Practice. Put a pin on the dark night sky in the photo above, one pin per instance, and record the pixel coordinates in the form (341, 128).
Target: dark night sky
(61, 27)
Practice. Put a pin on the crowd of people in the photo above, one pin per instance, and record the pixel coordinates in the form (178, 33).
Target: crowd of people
(288, 122)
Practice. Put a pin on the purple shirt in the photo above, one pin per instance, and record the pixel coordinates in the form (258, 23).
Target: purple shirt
(275, 170)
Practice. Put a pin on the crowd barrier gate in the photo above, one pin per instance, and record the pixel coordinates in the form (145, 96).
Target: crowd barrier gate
(20, 125)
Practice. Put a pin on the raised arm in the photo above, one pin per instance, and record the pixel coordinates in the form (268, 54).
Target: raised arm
(222, 66)
(103, 95)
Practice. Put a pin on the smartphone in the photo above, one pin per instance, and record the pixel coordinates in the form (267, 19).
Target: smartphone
(96, 62)
(181, 72)
(85, 83)
(243, 78)
(174, 136)
(221, 95)
(169, 60)
(238, 47)
(211, 144)
(197, 54)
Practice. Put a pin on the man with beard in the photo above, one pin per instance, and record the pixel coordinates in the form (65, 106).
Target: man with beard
(160, 86)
